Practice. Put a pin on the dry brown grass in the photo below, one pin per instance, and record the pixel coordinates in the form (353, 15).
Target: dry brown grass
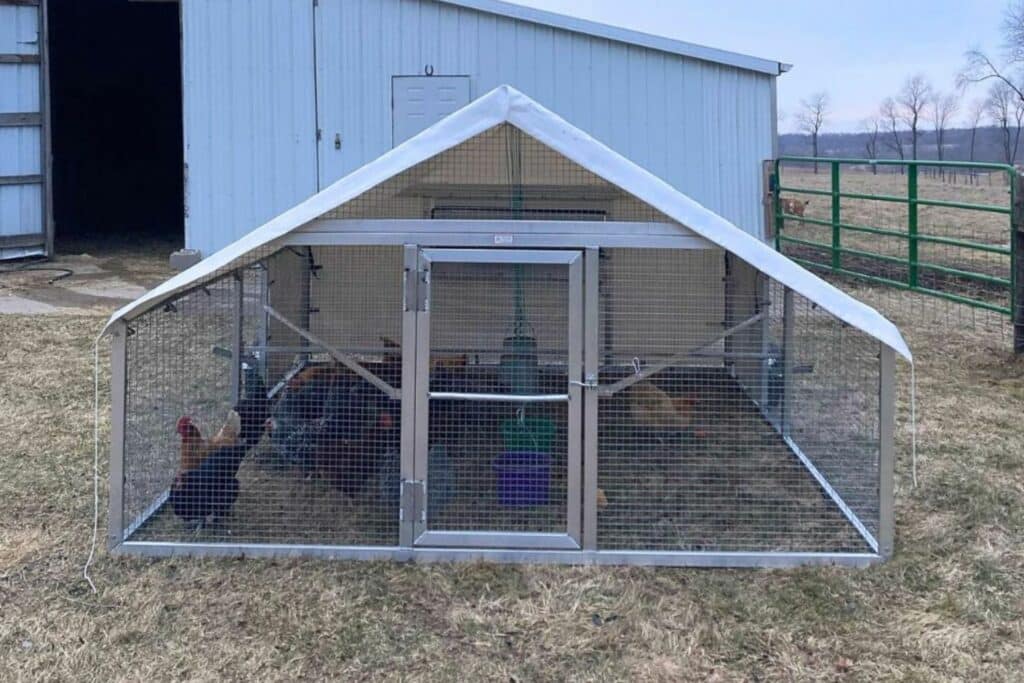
(950, 606)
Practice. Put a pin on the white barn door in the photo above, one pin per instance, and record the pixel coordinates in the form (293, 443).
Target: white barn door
(23, 183)
(418, 102)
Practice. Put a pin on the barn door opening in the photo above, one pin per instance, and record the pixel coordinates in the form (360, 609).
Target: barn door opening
(118, 155)
(498, 399)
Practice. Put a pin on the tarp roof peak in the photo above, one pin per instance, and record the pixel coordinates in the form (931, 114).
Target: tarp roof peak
(505, 104)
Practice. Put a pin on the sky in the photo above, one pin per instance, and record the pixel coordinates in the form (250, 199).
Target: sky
(859, 51)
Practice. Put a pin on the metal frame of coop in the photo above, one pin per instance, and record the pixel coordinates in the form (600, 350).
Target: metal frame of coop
(764, 332)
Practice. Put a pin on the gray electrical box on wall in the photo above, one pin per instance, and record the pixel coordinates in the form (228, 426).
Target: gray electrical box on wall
(419, 102)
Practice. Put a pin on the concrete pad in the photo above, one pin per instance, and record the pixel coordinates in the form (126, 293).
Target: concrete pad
(112, 288)
(21, 306)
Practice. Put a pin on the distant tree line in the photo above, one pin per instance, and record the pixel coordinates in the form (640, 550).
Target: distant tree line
(987, 142)
(921, 122)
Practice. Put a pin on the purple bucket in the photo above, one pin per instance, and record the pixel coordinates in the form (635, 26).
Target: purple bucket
(524, 478)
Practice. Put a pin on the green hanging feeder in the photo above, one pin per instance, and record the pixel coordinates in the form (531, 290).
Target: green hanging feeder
(520, 369)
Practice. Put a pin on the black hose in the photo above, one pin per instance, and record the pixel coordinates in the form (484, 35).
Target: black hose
(33, 266)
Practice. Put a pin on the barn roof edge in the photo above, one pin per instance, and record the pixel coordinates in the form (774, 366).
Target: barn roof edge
(624, 35)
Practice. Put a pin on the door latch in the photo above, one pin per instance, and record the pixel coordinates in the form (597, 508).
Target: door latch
(590, 382)
(337, 141)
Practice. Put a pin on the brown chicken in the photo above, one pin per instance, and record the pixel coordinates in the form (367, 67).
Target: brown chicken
(194, 448)
(649, 406)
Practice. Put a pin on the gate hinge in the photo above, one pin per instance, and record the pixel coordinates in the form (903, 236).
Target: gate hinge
(412, 495)
(417, 288)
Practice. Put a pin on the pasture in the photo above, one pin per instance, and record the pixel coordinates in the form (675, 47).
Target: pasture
(949, 606)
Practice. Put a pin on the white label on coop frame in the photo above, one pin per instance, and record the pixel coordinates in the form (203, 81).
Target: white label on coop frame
(503, 239)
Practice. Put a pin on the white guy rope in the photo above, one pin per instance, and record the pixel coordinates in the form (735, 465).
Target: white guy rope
(913, 426)
(95, 462)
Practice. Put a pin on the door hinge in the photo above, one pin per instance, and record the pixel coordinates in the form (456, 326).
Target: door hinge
(412, 508)
(417, 289)
(319, 134)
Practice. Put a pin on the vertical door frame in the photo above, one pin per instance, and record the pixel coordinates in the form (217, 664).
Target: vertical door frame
(409, 506)
(415, 504)
(591, 368)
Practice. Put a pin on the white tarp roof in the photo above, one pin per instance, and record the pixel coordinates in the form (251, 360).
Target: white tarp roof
(507, 105)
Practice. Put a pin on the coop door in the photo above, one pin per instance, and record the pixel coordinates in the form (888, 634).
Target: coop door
(498, 416)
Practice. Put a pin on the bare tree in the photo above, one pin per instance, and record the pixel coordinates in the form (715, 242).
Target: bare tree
(980, 66)
(943, 109)
(912, 99)
(1006, 111)
(811, 118)
(891, 120)
(974, 116)
(872, 127)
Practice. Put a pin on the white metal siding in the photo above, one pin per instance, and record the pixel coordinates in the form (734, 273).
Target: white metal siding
(19, 26)
(703, 127)
(21, 146)
(250, 116)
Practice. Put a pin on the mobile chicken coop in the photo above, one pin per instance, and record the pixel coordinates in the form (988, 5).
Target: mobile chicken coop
(502, 340)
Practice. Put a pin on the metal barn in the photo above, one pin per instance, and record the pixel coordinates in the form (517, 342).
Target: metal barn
(281, 99)
(214, 117)
(503, 340)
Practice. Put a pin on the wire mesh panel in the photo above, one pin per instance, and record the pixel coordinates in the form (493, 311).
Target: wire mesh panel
(498, 330)
(500, 174)
(829, 406)
(263, 407)
(690, 457)
(178, 366)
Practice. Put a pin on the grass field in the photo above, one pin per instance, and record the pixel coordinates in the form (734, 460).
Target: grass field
(950, 606)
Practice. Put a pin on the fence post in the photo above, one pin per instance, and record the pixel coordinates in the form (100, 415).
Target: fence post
(912, 224)
(1016, 260)
(836, 241)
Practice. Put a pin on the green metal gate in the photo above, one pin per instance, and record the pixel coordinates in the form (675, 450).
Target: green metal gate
(944, 229)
